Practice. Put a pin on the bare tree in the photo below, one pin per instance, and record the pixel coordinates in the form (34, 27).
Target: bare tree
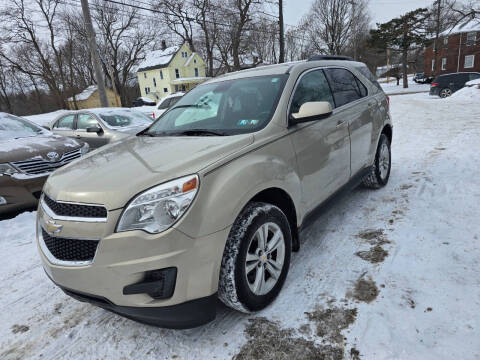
(123, 42)
(334, 24)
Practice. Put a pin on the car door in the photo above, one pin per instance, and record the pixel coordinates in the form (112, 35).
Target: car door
(65, 126)
(460, 81)
(358, 110)
(89, 121)
(322, 147)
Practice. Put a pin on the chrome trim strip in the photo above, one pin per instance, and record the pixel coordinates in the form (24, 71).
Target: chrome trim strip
(53, 260)
(54, 216)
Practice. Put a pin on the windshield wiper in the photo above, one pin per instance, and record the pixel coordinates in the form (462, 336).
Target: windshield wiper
(200, 132)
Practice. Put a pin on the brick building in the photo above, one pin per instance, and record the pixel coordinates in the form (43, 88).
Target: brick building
(458, 50)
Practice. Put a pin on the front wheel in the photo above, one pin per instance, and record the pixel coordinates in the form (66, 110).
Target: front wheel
(380, 172)
(256, 258)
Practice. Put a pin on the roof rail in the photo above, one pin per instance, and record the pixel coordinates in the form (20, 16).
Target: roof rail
(330, 57)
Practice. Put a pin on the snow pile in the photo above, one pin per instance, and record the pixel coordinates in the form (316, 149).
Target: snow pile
(467, 93)
(85, 94)
(158, 58)
(473, 82)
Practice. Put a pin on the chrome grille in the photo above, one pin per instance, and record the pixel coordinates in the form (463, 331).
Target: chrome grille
(39, 165)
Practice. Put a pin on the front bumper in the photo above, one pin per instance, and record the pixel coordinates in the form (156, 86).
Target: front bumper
(434, 91)
(123, 259)
(20, 193)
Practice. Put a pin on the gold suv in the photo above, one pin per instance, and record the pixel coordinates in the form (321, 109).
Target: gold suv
(208, 201)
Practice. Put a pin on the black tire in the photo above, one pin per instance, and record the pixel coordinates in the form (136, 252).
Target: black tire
(233, 287)
(375, 180)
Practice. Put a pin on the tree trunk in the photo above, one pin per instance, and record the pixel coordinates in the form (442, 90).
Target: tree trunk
(405, 55)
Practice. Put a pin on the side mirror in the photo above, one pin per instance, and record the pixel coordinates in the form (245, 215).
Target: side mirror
(94, 129)
(311, 111)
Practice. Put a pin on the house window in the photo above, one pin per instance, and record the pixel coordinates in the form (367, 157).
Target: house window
(161, 75)
(194, 61)
(184, 54)
(445, 41)
(147, 90)
(165, 90)
(444, 63)
(196, 72)
(183, 87)
(176, 88)
(433, 65)
(177, 73)
(154, 82)
(144, 75)
(469, 61)
(471, 38)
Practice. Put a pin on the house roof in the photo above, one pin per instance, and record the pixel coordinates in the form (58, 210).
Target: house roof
(158, 59)
(85, 94)
(469, 25)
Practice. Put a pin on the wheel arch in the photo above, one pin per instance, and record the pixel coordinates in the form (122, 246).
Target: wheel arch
(280, 198)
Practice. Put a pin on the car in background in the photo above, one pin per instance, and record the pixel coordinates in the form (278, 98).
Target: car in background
(166, 103)
(445, 85)
(143, 101)
(100, 126)
(28, 154)
(420, 78)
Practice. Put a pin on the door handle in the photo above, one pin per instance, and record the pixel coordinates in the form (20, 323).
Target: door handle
(340, 123)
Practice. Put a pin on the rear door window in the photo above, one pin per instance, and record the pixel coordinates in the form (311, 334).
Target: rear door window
(345, 86)
(474, 76)
(313, 86)
(65, 123)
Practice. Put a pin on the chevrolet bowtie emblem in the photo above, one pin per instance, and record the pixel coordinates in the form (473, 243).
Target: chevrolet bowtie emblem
(52, 227)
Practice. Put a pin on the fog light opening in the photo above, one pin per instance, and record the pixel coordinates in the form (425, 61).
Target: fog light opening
(159, 284)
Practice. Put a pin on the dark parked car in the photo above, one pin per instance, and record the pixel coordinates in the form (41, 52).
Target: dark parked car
(446, 85)
(143, 101)
(420, 78)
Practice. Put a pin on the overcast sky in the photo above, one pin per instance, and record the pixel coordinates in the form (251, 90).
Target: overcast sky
(380, 10)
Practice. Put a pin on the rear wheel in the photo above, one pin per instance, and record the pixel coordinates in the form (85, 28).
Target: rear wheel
(380, 172)
(445, 93)
(256, 258)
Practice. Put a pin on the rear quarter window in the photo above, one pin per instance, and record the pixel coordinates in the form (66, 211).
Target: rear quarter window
(368, 74)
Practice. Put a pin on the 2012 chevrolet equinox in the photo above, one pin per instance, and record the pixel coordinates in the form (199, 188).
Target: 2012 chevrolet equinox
(207, 202)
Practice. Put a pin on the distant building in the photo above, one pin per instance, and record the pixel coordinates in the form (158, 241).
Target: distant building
(170, 70)
(89, 98)
(458, 50)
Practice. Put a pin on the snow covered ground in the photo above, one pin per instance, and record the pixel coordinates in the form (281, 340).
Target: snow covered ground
(387, 274)
(392, 88)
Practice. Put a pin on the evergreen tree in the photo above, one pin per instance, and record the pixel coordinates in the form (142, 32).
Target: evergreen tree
(402, 34)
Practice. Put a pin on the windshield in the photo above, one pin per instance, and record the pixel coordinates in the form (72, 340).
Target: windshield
(13, 127)
(223, 108)
(120, 118)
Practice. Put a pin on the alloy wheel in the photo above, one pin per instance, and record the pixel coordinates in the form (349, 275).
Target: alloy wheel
(384, 161)
(265, 258)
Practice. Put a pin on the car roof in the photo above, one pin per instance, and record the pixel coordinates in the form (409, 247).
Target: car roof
(284, 68)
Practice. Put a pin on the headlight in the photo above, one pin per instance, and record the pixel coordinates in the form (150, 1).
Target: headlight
(157, 209)
(84, 149)
(7, 169)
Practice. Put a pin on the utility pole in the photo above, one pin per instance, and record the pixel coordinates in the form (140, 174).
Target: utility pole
(102, 92)
(282, 31)
(355, 35)
(437, 33)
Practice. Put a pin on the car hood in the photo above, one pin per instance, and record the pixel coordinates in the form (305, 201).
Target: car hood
(34, 146)
(113, 174)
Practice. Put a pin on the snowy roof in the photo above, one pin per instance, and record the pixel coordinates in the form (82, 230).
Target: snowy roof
(189, 79)
(85, 94)
(158, 58)
(463, 27)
